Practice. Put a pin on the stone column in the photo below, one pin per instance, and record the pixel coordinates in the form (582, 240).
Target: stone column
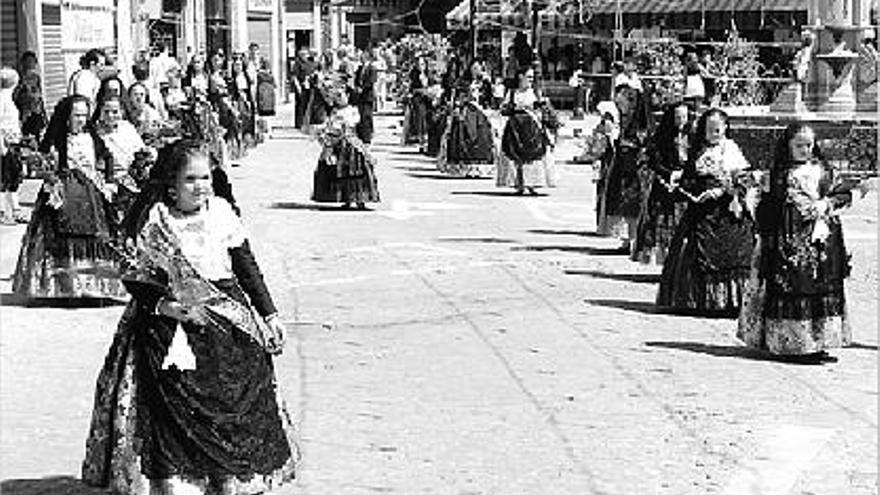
(317, 31)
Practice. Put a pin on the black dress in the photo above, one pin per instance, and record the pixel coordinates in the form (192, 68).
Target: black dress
(663, 209)
(468, 147)
(708, 262)
(345, 171)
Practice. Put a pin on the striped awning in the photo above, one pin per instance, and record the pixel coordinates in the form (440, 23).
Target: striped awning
(501, 13)
(671, 6)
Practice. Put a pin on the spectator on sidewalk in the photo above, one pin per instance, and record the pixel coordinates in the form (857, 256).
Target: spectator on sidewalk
(28, 97)
(301, 77)
(10, 163)
(364, 90)
(265, 98)
(86, 81)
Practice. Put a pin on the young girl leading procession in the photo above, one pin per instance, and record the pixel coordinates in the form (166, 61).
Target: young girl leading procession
(795, 305)
(187, 400)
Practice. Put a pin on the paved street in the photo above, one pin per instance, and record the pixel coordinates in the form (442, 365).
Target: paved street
(459, 340)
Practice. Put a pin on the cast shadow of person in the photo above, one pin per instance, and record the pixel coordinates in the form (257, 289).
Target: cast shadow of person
(52, 485)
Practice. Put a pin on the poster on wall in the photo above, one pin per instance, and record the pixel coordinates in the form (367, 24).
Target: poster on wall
(260, 5)
(87, 24)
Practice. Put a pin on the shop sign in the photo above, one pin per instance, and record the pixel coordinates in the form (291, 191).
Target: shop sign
(261, 5)
(87, 24)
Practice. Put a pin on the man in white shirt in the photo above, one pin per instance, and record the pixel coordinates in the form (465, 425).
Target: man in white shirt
(160, 67)
(86, 80)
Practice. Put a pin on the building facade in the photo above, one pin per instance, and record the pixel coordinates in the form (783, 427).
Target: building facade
(61, 31)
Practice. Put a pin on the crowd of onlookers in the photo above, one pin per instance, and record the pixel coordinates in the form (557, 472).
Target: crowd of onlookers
(374, 91)
(239, 89)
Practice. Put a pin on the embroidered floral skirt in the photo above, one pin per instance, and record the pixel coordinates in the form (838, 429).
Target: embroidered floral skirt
(53, 263)
(796, 307)
(223, 423)
(708, 262)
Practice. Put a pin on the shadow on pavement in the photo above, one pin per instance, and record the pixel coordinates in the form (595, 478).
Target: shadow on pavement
(417, 169)
(53, 485)
(732, 351)
(638, 278)
(435, 176)
(408, 152)
(638, 306)
(581, 233)
(10, 299)
(866, 347)
(311, 206)
(508, 194)
(593, 251)
(488, 240)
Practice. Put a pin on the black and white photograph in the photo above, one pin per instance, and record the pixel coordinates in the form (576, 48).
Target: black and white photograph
(451, 247)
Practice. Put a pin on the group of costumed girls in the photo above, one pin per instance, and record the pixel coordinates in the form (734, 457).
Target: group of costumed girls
(766, 246)
(452, 124)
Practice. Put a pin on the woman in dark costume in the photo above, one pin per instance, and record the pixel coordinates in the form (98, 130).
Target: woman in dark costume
(468, 146)
(325, 84)
(66, 251)
(622, 196)
(708, 262)
(661, 213)
(437, 115)
(795, 305)
(415, 129)
(187, 400)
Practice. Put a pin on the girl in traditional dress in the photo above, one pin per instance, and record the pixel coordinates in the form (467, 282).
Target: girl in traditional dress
(327, 87)
(599, 149)
(707, 265)
(242, 97)
(127, 155)
(526, 161)
(622, 195)
(437, 114)
(346, 169)
(795, 305)
(415, 129)
(661, 213)
(468, 146)
(66, 251)
(187, 400)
